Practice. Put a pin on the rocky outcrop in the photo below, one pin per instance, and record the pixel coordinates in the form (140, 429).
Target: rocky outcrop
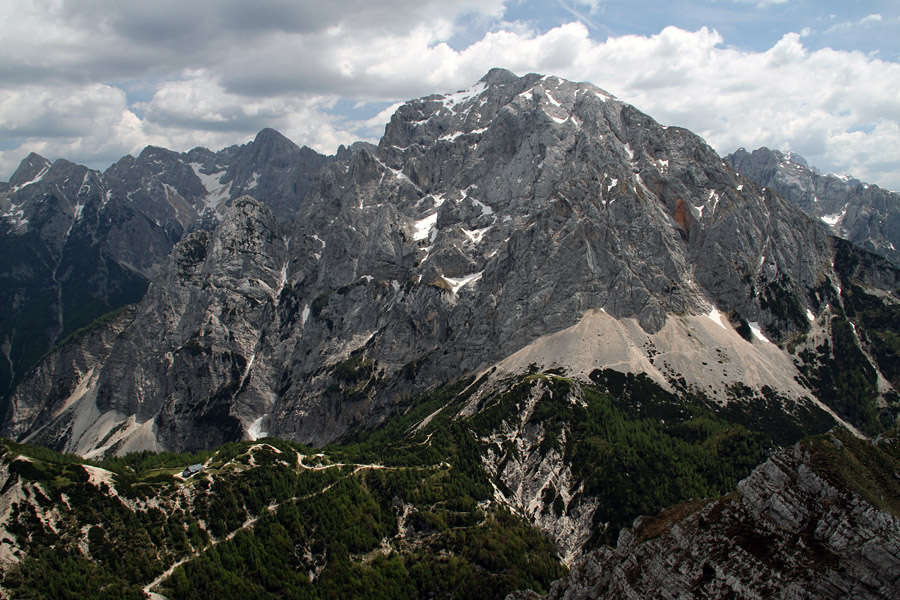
(531, 475)
(859, 212)
(798, 527)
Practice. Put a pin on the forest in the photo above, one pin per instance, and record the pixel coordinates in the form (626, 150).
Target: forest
(406, 510)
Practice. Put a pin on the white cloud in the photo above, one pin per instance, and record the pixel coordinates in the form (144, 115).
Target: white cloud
(594, 6)
(197, 110)
(82, 123)
(217, 73)
(786, 97)
(575, 8)
(762, 3)
(866, 21)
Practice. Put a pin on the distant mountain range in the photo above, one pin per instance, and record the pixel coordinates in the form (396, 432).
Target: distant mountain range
(590, 316)
(77, 243)
(859, 212)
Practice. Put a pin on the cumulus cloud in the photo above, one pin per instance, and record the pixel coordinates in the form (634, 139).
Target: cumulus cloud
(201, 111)
(83, 123)
(219, 72)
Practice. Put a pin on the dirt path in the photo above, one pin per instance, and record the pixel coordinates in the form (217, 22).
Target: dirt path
(251, 521)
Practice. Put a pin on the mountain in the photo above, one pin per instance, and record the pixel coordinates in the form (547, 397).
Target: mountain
(529, 316)
(525, 221)
(818, 520)
(861, 213)
(76, 243)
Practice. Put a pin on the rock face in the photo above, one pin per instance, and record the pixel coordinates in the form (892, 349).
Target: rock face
(798, 527)
(70, 253)
(861, 213)
(484, 222)
(76, 243)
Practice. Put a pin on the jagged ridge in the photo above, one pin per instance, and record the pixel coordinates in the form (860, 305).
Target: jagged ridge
(485, 223)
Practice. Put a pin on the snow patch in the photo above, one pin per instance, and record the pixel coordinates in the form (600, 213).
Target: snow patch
(463, 95)
(757, 332)
(85, 185)
(254, 432)
(318, 254)
(282, 280)
(716, 317)
(450, 137)
(209, 181)
(475, 235)
(457, 283)
(714, 198)
(304, 315)
(810, 315)
(216, 192)
(836, 218)
(486, 210)
(37, 178)
(19, 219)
(612, 183)
(423, 228)
(552, 99)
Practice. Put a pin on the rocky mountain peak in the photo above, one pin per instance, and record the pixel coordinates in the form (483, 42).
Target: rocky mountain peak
(31, 167)
(859, 212)
(269, 137)
(795, 158)
(269, 147)
(499, 76)
(155, 154)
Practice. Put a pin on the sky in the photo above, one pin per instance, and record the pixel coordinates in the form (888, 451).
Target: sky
(94, 80)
